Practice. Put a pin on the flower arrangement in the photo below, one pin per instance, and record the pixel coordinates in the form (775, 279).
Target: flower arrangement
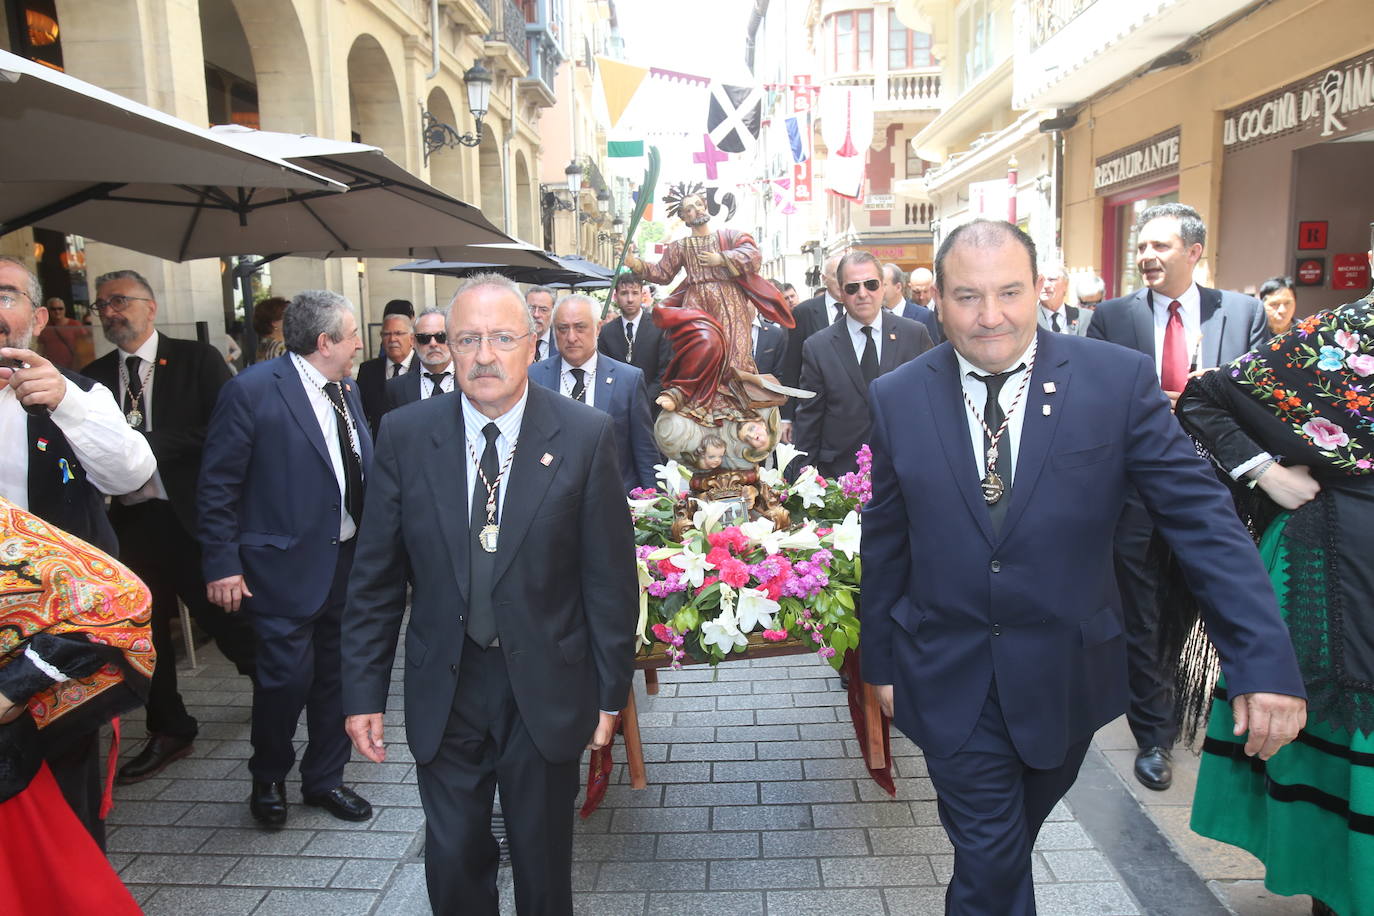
(704, 593)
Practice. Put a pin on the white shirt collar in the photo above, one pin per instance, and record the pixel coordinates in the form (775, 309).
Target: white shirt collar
(405, 363)
(509, 422)
(589, 366)
(448, 367)
(856, 327)
(147, 352)
(965, 367)
(312, 376)
(1190, 301)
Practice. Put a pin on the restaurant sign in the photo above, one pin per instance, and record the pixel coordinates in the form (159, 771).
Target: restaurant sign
(1323, 103)
(1151, 158)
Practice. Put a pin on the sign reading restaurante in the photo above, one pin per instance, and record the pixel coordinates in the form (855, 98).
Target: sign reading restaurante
(1151, 158)
(1323, 101)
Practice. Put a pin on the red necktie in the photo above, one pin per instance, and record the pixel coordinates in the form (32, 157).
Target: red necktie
(1173, 364)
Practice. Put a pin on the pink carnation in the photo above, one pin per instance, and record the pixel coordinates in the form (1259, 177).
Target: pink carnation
(775, 635)
(734, 573)
(661, 632)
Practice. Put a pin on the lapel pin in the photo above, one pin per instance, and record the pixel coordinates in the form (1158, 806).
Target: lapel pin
(1049, 389)
(546, 460)
(42, 445)
(608, 380)
(892, 337)
(1045, 409)
(67, 475)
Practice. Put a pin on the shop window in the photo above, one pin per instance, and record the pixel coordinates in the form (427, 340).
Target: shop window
(852, 41)
(915, 165)
(34, 32)
(977, 36)
(906, 49)
(229, 99)
(1120, 212)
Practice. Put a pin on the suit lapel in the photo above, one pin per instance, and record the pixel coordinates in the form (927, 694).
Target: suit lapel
(354, 402)
(1037, 427)
(844, 350)
(951, 424)
(293, 392)
(605, 394)
(1213, 327)
(171, 370)
(450, 446)
(529, 475)
(1142, 315)
(891, 341)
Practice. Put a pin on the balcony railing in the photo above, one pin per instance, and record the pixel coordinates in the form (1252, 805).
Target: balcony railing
(509, 27)
(541, 49)
(919, 215)
(1047, 17)
(895, 89)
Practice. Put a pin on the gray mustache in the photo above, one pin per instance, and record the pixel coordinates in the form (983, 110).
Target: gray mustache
(492, 370)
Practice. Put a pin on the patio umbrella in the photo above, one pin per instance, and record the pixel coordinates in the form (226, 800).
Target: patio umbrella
(594, 275)
(68, 142)
(522, 266)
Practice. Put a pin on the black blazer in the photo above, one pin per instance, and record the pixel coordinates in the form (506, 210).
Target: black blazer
(831, 426)
(405, 389)
(186, 383)
(922, 314)
(565, 591)
(810, 316)
(770, 350)
(652, 350)
(372, 386)
(58, 490)
(1232, 324)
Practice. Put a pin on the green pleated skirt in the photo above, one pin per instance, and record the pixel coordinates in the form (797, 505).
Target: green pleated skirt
(1308, 813)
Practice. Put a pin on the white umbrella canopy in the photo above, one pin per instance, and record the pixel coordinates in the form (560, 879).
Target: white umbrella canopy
(67, 141)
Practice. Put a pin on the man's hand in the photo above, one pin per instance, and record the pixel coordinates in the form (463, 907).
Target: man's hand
(8, 710)
(711, 259)
(228, 592)
(366, 732)
(1173, 398)
(604, 730)
(37, 383)
(1289, 487)
(785, 432)
(884, 694)
(1273, 720)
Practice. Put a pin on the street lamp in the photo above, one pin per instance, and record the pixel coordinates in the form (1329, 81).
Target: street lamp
(603, 201)
(437, 135)
(574, 173)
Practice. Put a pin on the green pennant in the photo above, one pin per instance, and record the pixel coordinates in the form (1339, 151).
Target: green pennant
(624, 149)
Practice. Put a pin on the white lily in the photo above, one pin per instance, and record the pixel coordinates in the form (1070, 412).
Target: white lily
(784, 452)
(673, 477)
(845, 538)
(772, 477)
(724, 631)
(693, 564)
(707, 517)
(757, 530)
(640, 505)
(755, 610)
(644, 579)
(812, 493)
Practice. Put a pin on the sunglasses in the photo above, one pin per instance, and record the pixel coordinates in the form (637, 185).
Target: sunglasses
(439, 337)
(870, 284)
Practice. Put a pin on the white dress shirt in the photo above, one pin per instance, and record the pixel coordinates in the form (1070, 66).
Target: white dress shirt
(1049, 314)
(147, 369)
(857, 338)
(566, 382)
(831, 304)
(427, 384)
(546, 339)
(116, 458)
(1191, 313)
(313, 382)
(391, 371)
(977, 392)
(474, 421)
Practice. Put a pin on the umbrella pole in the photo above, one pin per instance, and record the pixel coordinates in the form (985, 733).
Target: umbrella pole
(248, 338)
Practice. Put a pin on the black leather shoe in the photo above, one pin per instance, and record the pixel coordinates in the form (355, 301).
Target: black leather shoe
(343, 803)
(157, 752)
(1153, 769)
(268, 803)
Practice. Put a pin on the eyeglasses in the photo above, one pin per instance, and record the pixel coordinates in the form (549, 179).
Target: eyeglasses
(393, 334)
(9, 297)
(871, 284)
(438, 337)
(471, 343)
(116, 303)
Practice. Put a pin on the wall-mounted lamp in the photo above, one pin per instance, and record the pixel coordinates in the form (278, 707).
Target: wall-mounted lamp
(437, 135)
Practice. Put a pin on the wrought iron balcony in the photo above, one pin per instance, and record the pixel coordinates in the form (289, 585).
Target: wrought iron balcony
(544, 56)
(1047, 17)
(508, 27)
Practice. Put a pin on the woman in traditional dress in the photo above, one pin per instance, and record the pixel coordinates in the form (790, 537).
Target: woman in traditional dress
(1303, 398)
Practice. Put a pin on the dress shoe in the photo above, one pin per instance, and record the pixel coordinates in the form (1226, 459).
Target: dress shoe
(343, 803)
(268, 803)
(158, 751)
(1153, 769)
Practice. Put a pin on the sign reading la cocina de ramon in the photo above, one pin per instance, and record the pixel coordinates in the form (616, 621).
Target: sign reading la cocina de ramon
(1329, 103)
(1154, 157)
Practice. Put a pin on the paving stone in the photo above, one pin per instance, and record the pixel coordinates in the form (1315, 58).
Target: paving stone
(826, 903)
(388, 795)
(837, 768)
(926, 813)
(256, 841)
(907, 789)
(708, 846)
(792, 716)
(725, 793)
(707, 903)
(146, 811)
(199, 790)
(583, 878)
(877, 871)
(680, 704)
(278, 871)
(920, 901)
(863, 814)
(784, 844)
(323, 903)
(363, 844)
(764, 874)
(826, 730)
(1096, 899)
(797, 685)
(739, 750)
(792, 750)
(1062, 835)
(622, 796)
(716, 718)
(609, 904)
(202, 768)
(203, 901)
(152, 868)
(407, 894)
(908, 767)
(761, 770)
(158, 839)
(661, 719)
(905, 841)
(397, 819)
(790, 793)
(829, 698)
(661, 876)
(754, 701)
(677, 734)
(773, 817)
(356, 771)
(236, 749)
(614, 847)
(685, 771)
(364, 874)
(660, 820)
(734, 673)
(757, 733)
(1079, 865)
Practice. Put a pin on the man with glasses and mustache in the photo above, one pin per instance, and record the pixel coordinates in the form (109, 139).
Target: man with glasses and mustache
(520, 640)
(167, 388)
(64, 446)
(839, 363)
(436, 364)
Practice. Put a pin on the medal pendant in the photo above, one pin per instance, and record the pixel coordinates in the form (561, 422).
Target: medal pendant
(992, 488)
(487, 537)
(134, 417)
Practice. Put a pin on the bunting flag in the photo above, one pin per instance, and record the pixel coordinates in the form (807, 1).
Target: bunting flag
(847, 129)
(624, 149)
(799, 137)
(619, 81)
(735, 117)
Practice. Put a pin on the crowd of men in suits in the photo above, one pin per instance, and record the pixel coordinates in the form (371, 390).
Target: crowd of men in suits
(244, 499)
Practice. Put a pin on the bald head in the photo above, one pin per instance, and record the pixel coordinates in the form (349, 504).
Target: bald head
(830, 277)
(920, 286)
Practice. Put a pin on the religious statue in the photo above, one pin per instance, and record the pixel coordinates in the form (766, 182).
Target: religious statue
(720, 417)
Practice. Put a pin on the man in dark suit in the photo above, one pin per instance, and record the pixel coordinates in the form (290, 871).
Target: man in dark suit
(840, 362)
(1182, 328)
(281, 496)
(996, 650)
(436, 364)
(64, 446)
(810, 316)
(1054, 314)
(895, 301)
(583, 374)
(169, 387)
(632, 337)
(770, 347)
(397, 358)
(539, 300)
(522, 618)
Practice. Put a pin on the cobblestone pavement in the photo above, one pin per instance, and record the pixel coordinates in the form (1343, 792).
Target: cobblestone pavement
(758, 803)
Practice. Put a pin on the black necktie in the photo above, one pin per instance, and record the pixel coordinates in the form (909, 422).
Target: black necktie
(481, 626)
(437, 380)
(133, 394)
(579, 391)
(395, 369)
(839, 312)
(1054, 321)
(992, 418)
(868, 363)
(538, 349)
(629, 340)
(353, 466)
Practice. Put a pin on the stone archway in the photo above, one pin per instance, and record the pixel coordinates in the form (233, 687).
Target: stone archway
(445, 165)
(492, 179)
(524, 204)
(281, 56)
